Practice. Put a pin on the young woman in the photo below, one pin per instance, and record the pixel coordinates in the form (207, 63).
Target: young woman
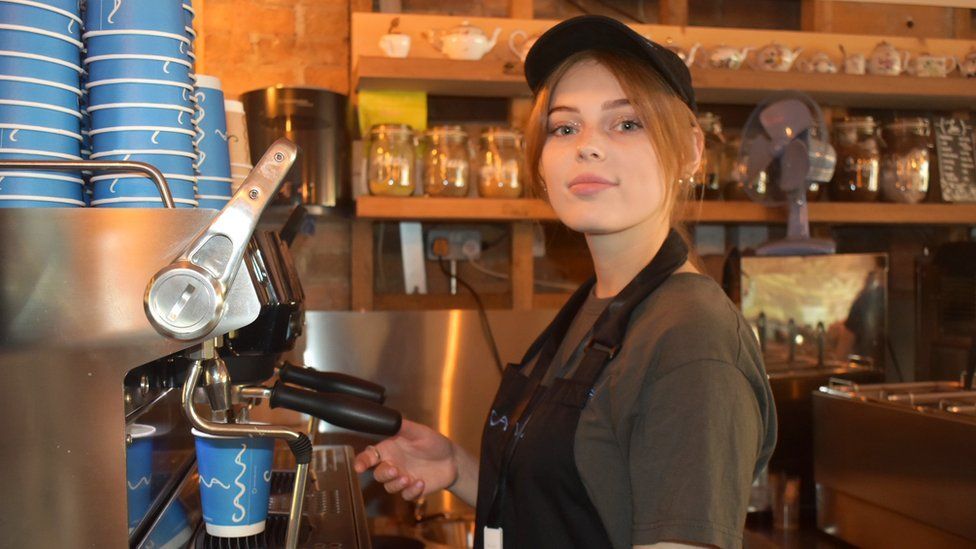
(642, 414)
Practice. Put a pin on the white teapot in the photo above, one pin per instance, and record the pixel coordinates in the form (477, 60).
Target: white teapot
(932, 66)
(968, 65)
(687, 56)
(728, 57)
(819, 63)
(464, 41)
(775, 57)
(887, 60)
(522, 49)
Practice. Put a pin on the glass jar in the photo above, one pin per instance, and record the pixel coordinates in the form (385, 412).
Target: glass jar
(856, 177)
(707, 181)
(500, 161)
(446, 161)
(390, 160)
(906, 159)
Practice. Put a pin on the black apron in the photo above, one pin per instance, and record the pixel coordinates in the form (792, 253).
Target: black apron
(528, 484)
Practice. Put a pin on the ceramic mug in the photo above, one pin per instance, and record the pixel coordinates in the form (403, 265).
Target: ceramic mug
(395, 45)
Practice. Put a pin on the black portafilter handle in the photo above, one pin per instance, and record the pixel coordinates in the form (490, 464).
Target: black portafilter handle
(341, 410)
(332, 382)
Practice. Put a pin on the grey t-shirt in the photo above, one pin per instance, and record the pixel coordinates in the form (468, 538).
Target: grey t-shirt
(681, 420)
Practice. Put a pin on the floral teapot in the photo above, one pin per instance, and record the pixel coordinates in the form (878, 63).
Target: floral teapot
(775, 57)
(887, 60)
(932, 66)
(464, 41)
(968, 64)
(728, 57)
(687, 56)
(820, 63)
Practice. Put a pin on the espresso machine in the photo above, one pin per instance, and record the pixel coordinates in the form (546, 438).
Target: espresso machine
(112, 350)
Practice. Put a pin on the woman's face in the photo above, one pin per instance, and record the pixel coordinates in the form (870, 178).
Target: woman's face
(601, 172)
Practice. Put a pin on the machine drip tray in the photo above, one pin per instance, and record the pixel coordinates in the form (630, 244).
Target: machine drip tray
(273, 536)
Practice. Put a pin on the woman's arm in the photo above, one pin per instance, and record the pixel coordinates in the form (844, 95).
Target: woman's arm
(466, 484)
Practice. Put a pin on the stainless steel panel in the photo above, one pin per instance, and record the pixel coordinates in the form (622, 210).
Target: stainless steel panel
(879, 459)
(71, 325)
(436, 365)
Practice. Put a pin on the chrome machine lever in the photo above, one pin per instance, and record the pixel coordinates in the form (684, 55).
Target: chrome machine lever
(186, 299)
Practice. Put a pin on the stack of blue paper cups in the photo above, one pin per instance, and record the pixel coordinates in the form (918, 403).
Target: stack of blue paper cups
(40, 94)
(140, 99)
(213, 167)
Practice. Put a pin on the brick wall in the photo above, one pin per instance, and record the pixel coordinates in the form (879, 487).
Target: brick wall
(252, 44)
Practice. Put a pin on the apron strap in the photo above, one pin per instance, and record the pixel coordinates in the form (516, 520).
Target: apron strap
(610, 327)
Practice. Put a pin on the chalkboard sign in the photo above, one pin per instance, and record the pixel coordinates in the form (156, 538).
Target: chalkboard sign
(957, 166)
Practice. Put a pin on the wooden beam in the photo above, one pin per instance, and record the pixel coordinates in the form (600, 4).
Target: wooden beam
(962, 24)
(520, 9)
(673, 12)
(522, 265)
(360, 5)
(816, 15)
(361, 285)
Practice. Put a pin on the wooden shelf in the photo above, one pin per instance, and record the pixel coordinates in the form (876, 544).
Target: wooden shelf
(488, 210)
(494, 78)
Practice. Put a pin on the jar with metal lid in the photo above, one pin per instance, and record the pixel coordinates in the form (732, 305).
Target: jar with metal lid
(500, 163)
(906, 159)
(446, 161)
(707, 181)
(390, 159)
(856, 177)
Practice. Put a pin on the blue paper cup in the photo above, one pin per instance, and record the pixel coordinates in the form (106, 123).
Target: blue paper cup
(139, 187)
(14, 63)
(142, 137)
(48, 141)
(214, 186)
(113, 115)
(30, 113)
(173, 162)
(138, 472)
(39, 42)
(140, 91)
(181, 203)
(107, 67)
(46, 16)
(134, 14)
(188, 14)
(212, 203)
(137, 42)
(33, 202)
(172, 530)
(24, 88)
(13, 153)
(235, 483)
(40, 188)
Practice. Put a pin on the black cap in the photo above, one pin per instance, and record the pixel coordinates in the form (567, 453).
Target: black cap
(596, 32)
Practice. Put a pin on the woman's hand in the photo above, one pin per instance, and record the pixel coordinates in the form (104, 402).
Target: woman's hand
(415, 462)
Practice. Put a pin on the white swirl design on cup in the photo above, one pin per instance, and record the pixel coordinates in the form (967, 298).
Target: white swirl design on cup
(142, 481)
(239, 484)
(203, 156)
(222, 135)
(267, 476)
(111, 15)
(13, 135)
(155, 137)
(71, 24)
(111, 189)
(166, 67)
(213, 481)
(2, 177)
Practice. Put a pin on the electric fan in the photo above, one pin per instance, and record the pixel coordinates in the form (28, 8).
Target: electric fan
(785, 149)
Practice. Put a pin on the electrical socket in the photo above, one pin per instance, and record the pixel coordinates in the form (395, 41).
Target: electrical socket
(461, 243)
